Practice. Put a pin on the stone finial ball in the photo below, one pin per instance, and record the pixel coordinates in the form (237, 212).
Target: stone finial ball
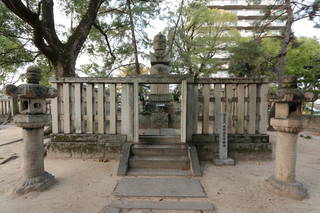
(33, 74)
(289, 81)
(159, 42)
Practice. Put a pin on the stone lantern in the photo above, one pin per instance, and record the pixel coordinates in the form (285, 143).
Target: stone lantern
(32, 117)
(288, 122)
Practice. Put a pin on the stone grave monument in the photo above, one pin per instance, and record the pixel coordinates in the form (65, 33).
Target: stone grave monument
(160, 103)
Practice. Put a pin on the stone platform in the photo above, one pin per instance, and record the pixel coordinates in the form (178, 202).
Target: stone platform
(168, 194)
(159, 187)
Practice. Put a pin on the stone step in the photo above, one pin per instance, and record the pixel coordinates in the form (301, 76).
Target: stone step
(159, 150)
(202, 206)
(159, 139)
(158, 172)
(160, 162)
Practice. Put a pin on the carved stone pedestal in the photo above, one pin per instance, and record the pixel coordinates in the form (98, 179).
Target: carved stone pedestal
(283, 182)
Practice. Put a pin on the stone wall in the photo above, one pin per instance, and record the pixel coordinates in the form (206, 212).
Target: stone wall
(208, 145)
(85, 146)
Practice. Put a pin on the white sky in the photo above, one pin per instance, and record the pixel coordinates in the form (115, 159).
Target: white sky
(301, 28)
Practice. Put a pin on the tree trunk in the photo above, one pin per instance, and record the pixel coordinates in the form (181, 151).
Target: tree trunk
(63, 56)
(64, 65)
(285, 42)
(134, 41)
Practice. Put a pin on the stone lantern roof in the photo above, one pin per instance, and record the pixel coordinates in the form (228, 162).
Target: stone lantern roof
(32, 89)
(290, 93)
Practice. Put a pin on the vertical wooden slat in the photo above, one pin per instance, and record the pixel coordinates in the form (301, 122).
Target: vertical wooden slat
(54, 112)
(9, 107)
(217, 107)
(240, 109)
(101, 115)
(5, 107)
(183, 127)
(89, 98)
(136, 112)
(66, 108)
(127, 111)
(263, 109)
(77, 108)
(229, 106)
(113, 109)
(14, 106)
(1, 108)
(1, 113)
(206, 102)
(192, 116)
(252, 109)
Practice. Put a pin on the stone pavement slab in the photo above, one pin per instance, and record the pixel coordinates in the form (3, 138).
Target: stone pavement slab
(159, 187)
(162, 205)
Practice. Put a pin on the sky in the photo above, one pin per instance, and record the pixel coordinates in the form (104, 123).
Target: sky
(301, 28)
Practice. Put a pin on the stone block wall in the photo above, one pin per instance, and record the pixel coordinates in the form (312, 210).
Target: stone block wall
(208, 145)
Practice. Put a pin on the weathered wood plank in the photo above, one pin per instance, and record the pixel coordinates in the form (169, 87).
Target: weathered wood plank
(147, 79)
(217, 106)
(54, 112)
(158, 79)
(77, 108)
(263, 109)
(136, 112)
(14, 106)
(101, 114)
(89, 99)
(1, 107)
(240, 109)
(206, 102)
(230, 90)
(192, 107)
(252, 108)
(113, 109)
(183, 133)
(6, 107)
(127, 111)
(66, 108)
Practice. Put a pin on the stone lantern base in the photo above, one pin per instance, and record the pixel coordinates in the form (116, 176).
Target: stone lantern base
(294, 190)
(40, 183)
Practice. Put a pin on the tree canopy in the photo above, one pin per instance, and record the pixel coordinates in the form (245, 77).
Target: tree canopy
(254, 58)
(303, 61)
(201, 34)
(260, 58)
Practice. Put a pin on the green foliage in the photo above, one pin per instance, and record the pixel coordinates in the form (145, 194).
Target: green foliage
(303, 60)
(259, 58)
(110, 42)
(199, 36)
(13, 46)
(254, 58)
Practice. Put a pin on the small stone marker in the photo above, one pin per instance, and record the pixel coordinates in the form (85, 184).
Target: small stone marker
(223, 142)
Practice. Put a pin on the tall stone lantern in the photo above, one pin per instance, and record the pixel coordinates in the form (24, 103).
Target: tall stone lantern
(32, 117)
(288, 122)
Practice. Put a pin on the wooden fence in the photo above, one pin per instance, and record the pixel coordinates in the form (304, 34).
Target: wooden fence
(5, 106)
(103, 105)
(245, 103)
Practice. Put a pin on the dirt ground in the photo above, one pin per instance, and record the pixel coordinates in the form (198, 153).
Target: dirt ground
(86, 186)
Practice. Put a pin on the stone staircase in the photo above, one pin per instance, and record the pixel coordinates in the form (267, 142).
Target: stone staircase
(161, 156)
